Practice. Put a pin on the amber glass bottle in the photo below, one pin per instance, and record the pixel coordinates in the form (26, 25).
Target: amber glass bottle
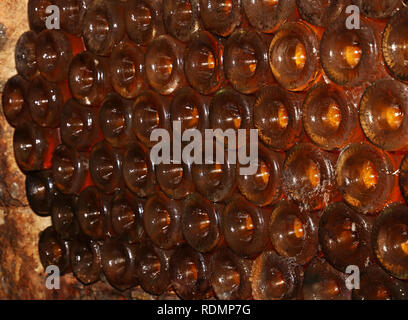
(309, 176)
(45, 101)
(33, 146)
(264, 187)
(293, 232)
(137, 170)
(375, 284)
(150, 111)
(40, 190)
(383, 110)
(230, 110)
(119, 263)
(175, 180)
(162, 221)
(127, 69)
(115, 119)
(293, 56)
(344, 237)
(189, 273)
(89, 78)
(181, 18)
(390, 240)
(14, 100)
(127, 220)
(93, 214)
(190, 108)
(215, 181)
(394, 47)
(55, 50)
(230, 275)
(37, 13)
(322, 282)
(79, 126)
(348, 56)
(25, 55)
(63, 208)
(267, 16)
(203, 65)
(378, 9)
(144, 20)
(54, 251)
(246, 61)
(275, 277)
(70, 170)
(329, 117)
(201, 223)
(220, 17)
(86, 261)
(103, 26)
(366, 177)
(321, 12)
(72, 13)
(245, 227)
(164, 64)
(105, 166)
(153, 269)
(277, 116)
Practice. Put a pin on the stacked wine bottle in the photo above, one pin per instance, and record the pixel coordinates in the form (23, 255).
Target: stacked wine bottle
(330, 105)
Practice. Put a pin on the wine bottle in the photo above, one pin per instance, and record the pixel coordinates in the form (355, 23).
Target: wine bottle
(245, 227)
(189, 274)
(267, 16)
(264, 187)
(162, 221)
(153, 269)
(394, 49)
(115, 119)
(275, 277)
(293, 232)
(181, 18)
(366, 177)
(277, 116)
(14, 100)
(72, 13)
(63, 217)
(79, 126)
(175, 180)
(103, 26)
(55, 50)
(40, 190)
(164, 64)
(322, 282)
(309, 176)
(230, 275)
(344, 237)
(330, 118)
(127, 217)
(86, 261)
(349, 56)
(70, 170)
(321, 12)
(201, 223)
(389, 239)
(220, 17)
(382, 114)
(246, 61)
(53, 251)
(144, 20)
(119, 263)
(137, 170)
(37, 14)
(203, 62)
(378, 9)
(294, 56)
(127, 69)
(25, 55)
(105, 166)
